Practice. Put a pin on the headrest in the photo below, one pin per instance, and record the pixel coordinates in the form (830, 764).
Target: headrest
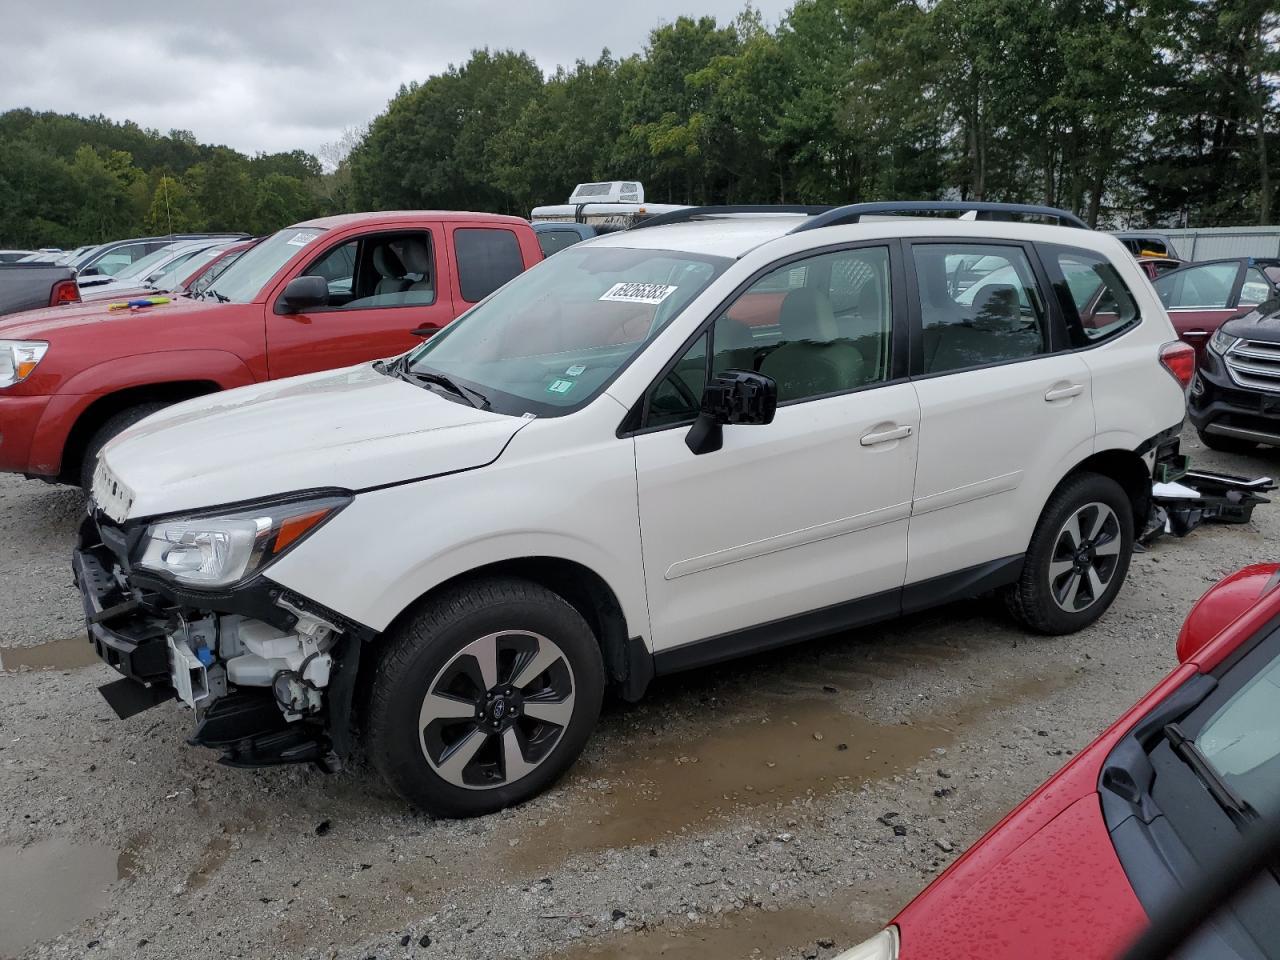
(386, 262)
(413, 254)
(806, 314)
(996, 308)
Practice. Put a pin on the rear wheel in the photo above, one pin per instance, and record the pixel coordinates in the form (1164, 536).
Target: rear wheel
(1078, 556)
(1223, 444)
(117, 423)
(484, 698)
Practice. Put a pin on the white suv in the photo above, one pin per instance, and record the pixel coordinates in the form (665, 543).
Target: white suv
(722, 432)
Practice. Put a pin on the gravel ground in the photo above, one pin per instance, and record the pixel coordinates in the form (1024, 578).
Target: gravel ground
(781, 806)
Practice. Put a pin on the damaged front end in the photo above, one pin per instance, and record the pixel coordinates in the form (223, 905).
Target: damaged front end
(269, 675)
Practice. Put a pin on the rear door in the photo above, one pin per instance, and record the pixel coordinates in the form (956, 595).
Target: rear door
(484, 257)
(385, 295)
(1004, 412)
(1201, 297)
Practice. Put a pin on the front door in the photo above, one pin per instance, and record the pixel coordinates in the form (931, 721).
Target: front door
(806, 513)
(1002, 415)
(384, 297)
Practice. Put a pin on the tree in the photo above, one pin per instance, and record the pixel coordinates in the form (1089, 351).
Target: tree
(174, 208)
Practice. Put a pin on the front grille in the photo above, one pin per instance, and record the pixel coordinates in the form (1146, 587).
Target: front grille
(1255, 364)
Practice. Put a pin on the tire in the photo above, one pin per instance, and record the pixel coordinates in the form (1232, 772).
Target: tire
(1056, 593)
(1223, 444)
(437, 733)
(117, 423)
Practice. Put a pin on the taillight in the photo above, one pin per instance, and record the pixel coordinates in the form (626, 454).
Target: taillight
(1180, 360)
(64, 291)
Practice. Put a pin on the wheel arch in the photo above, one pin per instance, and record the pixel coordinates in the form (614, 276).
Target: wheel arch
(1126, 468)
(103, 408)
(628, 664)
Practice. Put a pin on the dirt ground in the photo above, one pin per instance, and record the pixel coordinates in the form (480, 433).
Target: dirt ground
(747, 810)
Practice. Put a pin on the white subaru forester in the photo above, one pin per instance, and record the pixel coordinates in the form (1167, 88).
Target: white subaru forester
(725, 431)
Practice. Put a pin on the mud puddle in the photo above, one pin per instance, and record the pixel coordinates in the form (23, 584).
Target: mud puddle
(69, 654)
(757, 933)
(51, 886)
(785, 749)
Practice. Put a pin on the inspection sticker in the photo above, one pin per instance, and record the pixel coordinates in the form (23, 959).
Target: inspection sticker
(301, 239)
(576, 370)
(638, 292)
(560, 386)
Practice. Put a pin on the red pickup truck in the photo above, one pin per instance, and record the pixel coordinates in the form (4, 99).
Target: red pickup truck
(321, 294)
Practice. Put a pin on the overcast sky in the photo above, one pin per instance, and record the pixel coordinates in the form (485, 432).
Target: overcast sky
(274, 75)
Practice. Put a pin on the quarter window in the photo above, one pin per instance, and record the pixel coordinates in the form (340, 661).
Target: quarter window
(1255, 288)
(1095, 300)
(979, 304)
(486, 260)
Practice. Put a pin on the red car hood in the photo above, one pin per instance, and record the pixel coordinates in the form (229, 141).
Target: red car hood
(1045, 882)
(46, 322)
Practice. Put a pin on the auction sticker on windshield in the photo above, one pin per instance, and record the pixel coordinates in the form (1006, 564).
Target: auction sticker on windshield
(301, 239)
(638, 292)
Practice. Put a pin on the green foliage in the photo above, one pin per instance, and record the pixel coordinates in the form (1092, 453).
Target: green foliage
(68, 180)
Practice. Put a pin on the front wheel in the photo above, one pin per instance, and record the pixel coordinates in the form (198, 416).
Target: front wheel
(1078, 556)
(484, 697)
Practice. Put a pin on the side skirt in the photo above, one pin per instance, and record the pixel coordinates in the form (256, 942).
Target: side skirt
(971, 582)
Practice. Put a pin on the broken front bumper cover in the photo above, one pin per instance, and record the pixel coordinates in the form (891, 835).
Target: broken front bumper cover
(148, 631)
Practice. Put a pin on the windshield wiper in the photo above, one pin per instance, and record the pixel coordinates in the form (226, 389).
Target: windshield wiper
(215, 294)
(399, 368)
(1237, 808)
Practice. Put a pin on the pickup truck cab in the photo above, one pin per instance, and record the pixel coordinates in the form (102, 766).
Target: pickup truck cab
(321, 294)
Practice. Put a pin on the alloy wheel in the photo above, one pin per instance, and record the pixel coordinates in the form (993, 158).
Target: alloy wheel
(1085, 556)
(497, 709)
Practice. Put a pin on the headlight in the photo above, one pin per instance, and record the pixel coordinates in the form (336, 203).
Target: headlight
(883, 946)
(1221, 341)
(217, 551)
(18, 358)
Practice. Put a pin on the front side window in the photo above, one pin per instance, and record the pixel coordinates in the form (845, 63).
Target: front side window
(1093, 297)
(550, 340)
(378, 270)
(1206, 287)
(486, 260)
(979, 304)
(553, 241)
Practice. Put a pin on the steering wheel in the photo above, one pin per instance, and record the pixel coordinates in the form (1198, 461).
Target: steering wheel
(682, 388)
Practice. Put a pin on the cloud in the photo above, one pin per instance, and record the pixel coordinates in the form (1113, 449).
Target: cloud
(271, 76)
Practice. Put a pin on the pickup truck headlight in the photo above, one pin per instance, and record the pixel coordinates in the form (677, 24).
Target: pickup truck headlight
(883, 946)
(18, 358)
(218, 551)
(1221, 341)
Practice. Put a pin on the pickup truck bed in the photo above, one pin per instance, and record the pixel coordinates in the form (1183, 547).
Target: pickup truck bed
(27, 286)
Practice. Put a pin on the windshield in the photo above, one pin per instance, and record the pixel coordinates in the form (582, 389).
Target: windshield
(167, 276)
(1242, 741)
(241, 281)
(144, 265)
(551, 339)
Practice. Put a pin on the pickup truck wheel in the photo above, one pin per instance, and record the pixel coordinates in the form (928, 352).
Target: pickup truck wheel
(484, 697)
(1223, 444)
(1078, 557)
(117, 423)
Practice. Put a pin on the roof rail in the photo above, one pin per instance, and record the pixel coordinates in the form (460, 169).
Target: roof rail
(693, 213)
(856, 211)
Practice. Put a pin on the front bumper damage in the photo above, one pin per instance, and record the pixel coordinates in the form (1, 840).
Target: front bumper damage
(270, 676)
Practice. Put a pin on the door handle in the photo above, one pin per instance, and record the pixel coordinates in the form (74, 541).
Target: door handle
(885, 436)
(425, 331)
(1064, 393)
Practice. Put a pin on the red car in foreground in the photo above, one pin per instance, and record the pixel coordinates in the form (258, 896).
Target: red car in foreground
(1145, 811)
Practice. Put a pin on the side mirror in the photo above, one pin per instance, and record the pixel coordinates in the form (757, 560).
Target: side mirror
(735, 396)
(305, 293)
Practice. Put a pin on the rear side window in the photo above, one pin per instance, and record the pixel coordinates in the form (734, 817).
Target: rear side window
(553, 241)
(1255, 288)
(979, 304)
(1095, 301)
(486, 260)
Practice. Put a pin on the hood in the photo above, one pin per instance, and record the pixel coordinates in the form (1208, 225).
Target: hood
(51, 321)
(1260, 323)
(352, 428)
